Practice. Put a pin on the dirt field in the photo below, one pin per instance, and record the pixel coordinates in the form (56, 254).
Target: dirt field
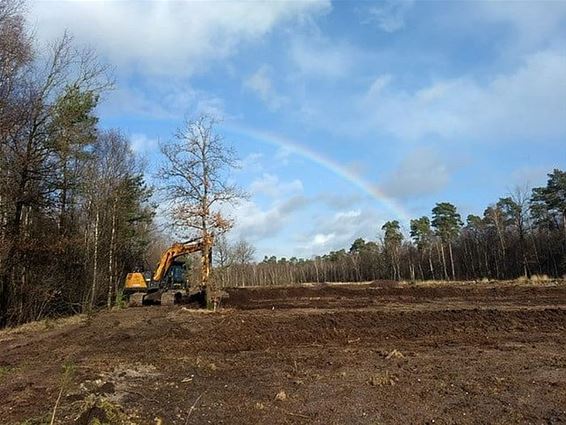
(373, 354)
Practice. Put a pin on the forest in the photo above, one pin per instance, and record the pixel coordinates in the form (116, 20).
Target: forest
(74, 208)
(522, 235)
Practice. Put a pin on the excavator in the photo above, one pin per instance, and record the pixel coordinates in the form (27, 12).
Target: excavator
(168, 284)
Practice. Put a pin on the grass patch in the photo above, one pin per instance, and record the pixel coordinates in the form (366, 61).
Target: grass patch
(42, 325)
(383, 379)
(120, 300)
(66, 380)
(40, 420)
(101, 411)
(4, 371)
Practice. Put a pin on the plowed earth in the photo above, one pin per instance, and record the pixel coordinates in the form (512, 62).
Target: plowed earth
(330, 354)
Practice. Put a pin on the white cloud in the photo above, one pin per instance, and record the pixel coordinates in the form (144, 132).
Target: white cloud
(254, 223)
(337, 201)
(378, 86)
(210, 105)
(251, 162)
(389, 15)
(257, 219)
(347, 214)
(167, 37)
(283, 155)
(141, 143)
(339, 231)
(525, 103)
(531, 175)
(261, 84)
(321, 239)
(421, 173)
(167, 99)
(318, 57)
(534, 22)
(270, 185)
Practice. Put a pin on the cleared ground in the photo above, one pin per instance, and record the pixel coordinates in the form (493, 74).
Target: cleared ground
(359, 354)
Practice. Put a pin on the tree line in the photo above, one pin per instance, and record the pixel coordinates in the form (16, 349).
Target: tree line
(74, 207)
(523, 234)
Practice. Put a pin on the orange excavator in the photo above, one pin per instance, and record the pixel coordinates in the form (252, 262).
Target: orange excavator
(168, 284)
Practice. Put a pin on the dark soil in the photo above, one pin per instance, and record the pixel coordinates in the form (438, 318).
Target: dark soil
(327, 355)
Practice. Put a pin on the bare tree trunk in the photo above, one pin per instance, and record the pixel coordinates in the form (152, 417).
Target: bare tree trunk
(430, 263)
(500, 236)
(95, 259)
(444, 261)
(452, 260)
(111, 278)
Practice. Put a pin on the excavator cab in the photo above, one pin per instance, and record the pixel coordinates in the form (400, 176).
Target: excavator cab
(176, 277)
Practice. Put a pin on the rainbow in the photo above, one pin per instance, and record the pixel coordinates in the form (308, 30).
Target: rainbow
(327, 163)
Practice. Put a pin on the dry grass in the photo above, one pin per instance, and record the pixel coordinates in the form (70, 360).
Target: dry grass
(42, 325)
(395, 354)
(383, 379)
(540, 278)
(100, 410)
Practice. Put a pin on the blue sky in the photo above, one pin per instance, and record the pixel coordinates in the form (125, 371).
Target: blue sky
(344, 114)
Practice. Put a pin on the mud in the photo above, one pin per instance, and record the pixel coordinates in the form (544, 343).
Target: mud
(358, 354)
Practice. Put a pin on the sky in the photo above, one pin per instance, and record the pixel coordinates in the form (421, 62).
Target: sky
(344, 114)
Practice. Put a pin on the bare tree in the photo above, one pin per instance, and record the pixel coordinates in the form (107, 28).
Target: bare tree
(195, 182)
(222, 252)
(243, 252)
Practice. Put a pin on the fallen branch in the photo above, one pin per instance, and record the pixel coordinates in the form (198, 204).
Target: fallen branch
(296, 414)
(56, 405)
(193, 407)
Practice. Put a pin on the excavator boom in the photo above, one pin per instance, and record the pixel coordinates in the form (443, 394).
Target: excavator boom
(176, 250)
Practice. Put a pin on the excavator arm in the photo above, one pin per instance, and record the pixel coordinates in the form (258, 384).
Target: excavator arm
(176, 250)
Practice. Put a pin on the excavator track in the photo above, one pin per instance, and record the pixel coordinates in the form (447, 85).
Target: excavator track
(168, 298)
(136, 299)
(171, 298)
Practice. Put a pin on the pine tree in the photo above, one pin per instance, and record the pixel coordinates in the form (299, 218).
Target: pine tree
(447, 222)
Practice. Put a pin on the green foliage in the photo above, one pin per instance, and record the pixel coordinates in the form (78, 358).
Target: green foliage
(474, 222)
(335, 256)
(446, 220)
(40, 420)
(421, 232)
(101, 411)
(120, 302)
(494, 218)
(357, 246)
(548, 204)
(511, 211)
(393, 236)
(73, 120)
(68, 373)
(72, 135)
(5, 371)
(137, 215)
